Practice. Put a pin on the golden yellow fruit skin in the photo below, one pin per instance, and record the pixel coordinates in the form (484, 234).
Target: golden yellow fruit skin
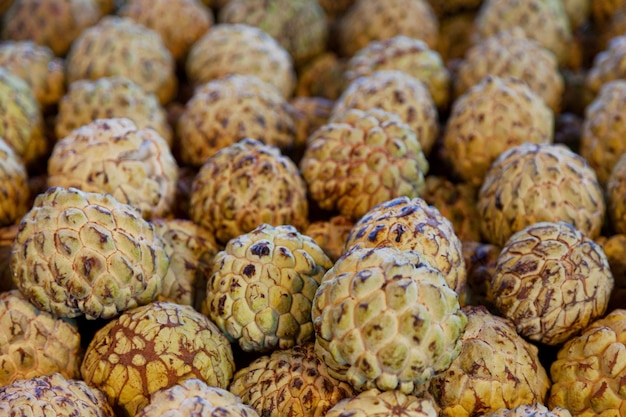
(52, 23)
(534, 410)
(193, 397)
(496, 368)
(245, 185)
(615, 250)
(494, 115)
(290, 382)
(374, 403)
(114, 156)
(14, 195)
(35, 343)
(262, 287)
(385, 318)
(53, 396)
(86, 253)
(589, 371)
(322, 77)
(240, 49)
(532, 183)
(395, 92)
(154, 347)
(331, 234)
(545, 21)
(511, 54)
(607, 66)
(106, 98)
(411, 224)
(226, 110)
(37, 65)
(119, 46)
(402, 53)
(603, 129)
(368, 20)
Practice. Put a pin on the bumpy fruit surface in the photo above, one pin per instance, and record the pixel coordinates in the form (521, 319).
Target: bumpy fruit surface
(107, 98)
(588, 373)
(489, 118)
(362, 158)
(395, 92)
(614, 248)
(374, 403)
(402, 53)
(14, 191)
(551, 281)
(531, 183)
(322, 77)
(193, 397)
(114, 156)
(384, 318)
(154, 347)
(331, 234)
(226, 110)
(289, 382)
(119, 46)
(240, 49)
(616, 193)
(53, 396)
(309, 114)
(86, 253)
(411, 224)
(533, 410)
(496, 368)
(607, 66)
(34, 342)
(262, 286)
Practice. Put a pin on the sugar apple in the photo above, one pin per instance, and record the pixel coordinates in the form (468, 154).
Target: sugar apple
(532, 410)
(385, 318)
(361, 159)
(480, 264)
(14, 191)
(309, 114)
(607, 66)
(331, 234)
(614, 248)
(53, 396)
(290, 382)
(240, 49)
(119, 46)
(86, 253)
(496, 368)
(531, 183)
(411, 224)
(374, 403)
(226, 110)
(106, 98)
(616, 195)
(245, 185)
(322, 76)
(395, 92)
(155, 347)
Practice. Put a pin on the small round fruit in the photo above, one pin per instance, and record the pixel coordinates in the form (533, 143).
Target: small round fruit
(14, 191)
(374, 403)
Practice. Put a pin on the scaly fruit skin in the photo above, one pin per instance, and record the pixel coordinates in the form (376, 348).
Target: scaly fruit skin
(193, 397)
(496, 368)
(551, 281)
(607, 66)
(245, 185)
(113, 156)
(603, 129)
(531, 183)
(331, 234)
(511, 54)
(53, 396)
(167, 17)
(402, 53)
(489, 118)
(615, 194)
(374, 403)
(290, 382)
(14, 195)
(154, 347)
(533, 410)
(395, 92)
(119, 46)
(298, 25)
(384, 318)
(309, 114)
(34, 342)
(588, 373)
(52, 23)
(107, 98)
(614, 248)
(226, 110)
(240, 49)
(368, 20)
(322, 77)
(411, 224)
(361, 159)
(262, 286)
(86, 253)
(545, 21)
(37, 65)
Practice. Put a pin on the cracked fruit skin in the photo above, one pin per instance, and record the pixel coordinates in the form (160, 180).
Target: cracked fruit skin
(86, 253)
(154, 347)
